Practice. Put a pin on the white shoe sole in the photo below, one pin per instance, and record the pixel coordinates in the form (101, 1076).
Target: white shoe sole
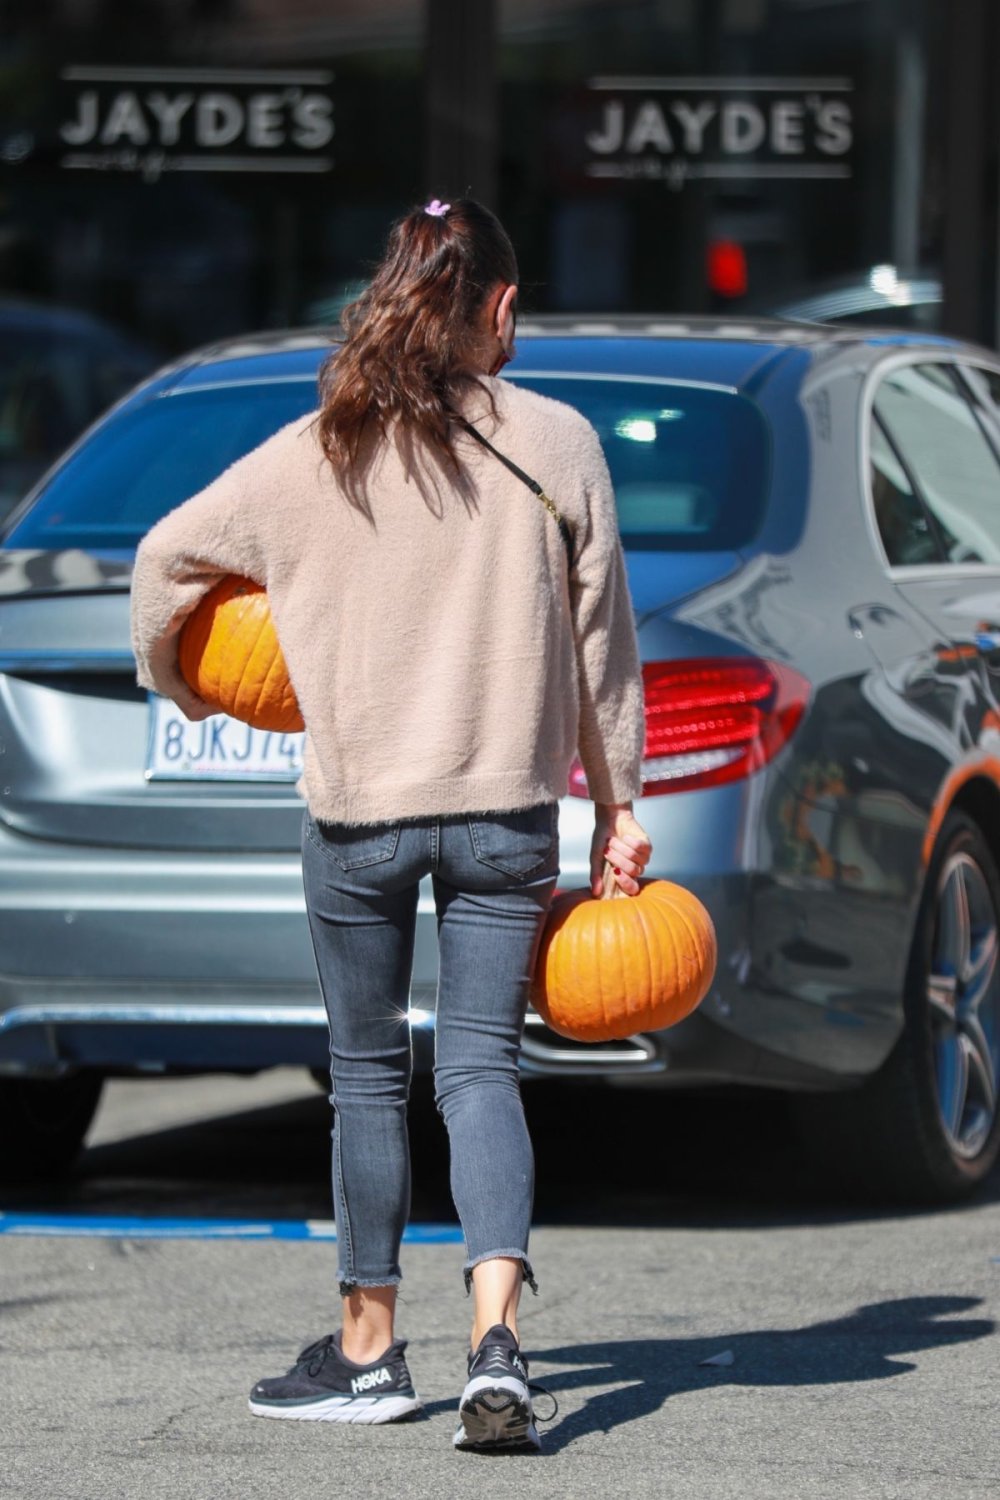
(496, 1414)
(368, 1410)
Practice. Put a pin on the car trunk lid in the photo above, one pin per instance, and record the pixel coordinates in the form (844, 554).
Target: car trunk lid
(75, 742)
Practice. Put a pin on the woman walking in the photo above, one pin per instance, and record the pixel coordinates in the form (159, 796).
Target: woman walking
(453, 640)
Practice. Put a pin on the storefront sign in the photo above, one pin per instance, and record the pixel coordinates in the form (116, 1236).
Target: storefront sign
(154, 120)
(673, 129)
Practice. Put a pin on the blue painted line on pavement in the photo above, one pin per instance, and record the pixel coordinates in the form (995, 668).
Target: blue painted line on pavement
(82, 1226)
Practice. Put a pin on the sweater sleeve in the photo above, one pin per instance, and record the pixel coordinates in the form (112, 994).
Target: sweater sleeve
(179, 560)
(612, 727)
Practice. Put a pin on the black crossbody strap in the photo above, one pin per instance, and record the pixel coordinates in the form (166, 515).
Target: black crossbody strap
(533, 486)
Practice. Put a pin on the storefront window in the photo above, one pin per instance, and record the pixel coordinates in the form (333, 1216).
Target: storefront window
(667, 155)
(192, 170)
(195, 171)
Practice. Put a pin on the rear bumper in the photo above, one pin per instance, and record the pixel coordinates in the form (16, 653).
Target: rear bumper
(71, 913)
(132, 961)
(135, 962)
(155, 1036)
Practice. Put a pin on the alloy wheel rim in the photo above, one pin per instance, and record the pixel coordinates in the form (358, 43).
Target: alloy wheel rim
(963, 994)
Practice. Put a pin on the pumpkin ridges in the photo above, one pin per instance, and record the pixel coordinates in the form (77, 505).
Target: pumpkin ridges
(635, 992)
(702, 938)
(600, 968)
(616, 974)
(644, 971)
(671, 962)
(668, 955)
(682, 978)
(669, 927)
(598, 1008)
(247, 692)
(207, 667)
(578, 944)
(636, 1004)
(231, 674)
(193, 641)
(241, 604)
(621, 973)
(687, 918)
(264, 667)
(660, 987)
(592, 941)
(553, 999)
(603, 969)
(582, 951)
(229, 653)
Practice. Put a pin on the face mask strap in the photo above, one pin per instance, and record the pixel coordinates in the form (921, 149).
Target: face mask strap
(506, 355)
(503, 358)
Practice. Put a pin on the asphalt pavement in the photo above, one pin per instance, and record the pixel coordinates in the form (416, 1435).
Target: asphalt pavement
(855, 1350)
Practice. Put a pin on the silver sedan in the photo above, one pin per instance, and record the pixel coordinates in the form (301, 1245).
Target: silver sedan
(811, 520)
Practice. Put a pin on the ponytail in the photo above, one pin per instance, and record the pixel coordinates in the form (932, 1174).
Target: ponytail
(408, 333)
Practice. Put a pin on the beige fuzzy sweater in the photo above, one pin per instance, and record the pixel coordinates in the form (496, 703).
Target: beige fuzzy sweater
(443, 661)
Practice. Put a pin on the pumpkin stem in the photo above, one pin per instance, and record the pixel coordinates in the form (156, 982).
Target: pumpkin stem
(611, 890)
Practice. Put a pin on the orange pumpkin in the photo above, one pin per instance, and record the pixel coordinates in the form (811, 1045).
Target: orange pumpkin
(229, 655)
(612, 965)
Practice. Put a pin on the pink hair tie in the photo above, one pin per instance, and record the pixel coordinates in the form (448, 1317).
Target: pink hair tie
(436, 208)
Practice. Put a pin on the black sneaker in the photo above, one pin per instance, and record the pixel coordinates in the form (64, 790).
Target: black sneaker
(324, 1386)
(495, 1409)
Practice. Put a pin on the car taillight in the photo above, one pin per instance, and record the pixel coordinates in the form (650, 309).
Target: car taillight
(711, 720)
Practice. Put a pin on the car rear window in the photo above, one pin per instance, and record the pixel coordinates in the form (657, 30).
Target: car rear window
(147, 460)
(689, 463)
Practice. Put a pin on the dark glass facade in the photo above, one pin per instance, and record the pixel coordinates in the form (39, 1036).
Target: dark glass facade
(640, 141)
(193, 168)
(190, 170)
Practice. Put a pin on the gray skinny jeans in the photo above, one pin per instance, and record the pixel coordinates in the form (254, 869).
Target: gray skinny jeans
(493, 876)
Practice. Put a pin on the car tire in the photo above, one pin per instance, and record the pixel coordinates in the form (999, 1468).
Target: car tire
(926, 1126)
(43, 1122)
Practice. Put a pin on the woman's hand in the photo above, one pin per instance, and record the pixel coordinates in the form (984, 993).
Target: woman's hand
(197, 711)
(620, 840)
(191, 705)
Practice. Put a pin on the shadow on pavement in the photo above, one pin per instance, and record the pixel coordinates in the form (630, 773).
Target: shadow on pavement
(871, 1344)
(604, 1157)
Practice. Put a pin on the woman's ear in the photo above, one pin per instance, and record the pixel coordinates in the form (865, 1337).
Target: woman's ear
(503, 317)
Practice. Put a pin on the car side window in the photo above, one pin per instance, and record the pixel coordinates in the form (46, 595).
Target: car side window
(903, 524)
(986, 384)
(933, 428)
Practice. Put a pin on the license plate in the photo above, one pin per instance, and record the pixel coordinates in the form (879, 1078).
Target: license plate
(217, 749)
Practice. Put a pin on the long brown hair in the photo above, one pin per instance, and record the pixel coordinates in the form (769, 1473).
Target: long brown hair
(406, 335)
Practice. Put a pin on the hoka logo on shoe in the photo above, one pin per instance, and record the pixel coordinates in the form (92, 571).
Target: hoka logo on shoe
(374, 1377)
(518, 1366)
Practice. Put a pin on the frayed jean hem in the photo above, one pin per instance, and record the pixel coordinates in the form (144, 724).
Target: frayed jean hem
(527, 1275)
(347, 1286)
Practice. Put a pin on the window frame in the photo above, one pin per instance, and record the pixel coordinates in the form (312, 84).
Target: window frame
(986, 409)
(933, 524)
(955, 359)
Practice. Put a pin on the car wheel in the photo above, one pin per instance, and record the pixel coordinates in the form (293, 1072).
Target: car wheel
(926, 1126)
(43, 1122)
